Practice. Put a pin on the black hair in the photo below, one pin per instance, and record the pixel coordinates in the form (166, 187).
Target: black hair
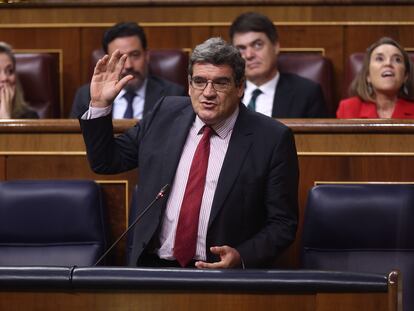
(123, 29)
(252, 21)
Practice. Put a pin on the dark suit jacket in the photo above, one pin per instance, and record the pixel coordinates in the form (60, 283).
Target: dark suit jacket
(297, 97)
(255, 205)
(27, 114)
(156, 88)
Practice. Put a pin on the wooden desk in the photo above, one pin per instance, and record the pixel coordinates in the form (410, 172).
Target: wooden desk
(329, 151)
(108, 288)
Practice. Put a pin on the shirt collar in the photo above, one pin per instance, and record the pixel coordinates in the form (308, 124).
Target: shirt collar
(223, 128)
(266, 88)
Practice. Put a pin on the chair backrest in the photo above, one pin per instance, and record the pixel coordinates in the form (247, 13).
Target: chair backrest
(361, 228)
(51, 222)
(353, 66)
(313, 66)
(170, 64)
(39, 76)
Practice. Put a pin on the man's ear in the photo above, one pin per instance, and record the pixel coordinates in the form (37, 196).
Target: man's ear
(189, 85)
(147, 57)
(240, 91)
(277, 48)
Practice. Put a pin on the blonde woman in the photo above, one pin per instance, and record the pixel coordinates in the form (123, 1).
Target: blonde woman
(12, 104)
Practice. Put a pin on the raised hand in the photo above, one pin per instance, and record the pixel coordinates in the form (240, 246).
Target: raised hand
(106, 83)
(7, 92)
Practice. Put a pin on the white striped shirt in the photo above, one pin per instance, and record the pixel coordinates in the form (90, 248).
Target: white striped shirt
(219, 143)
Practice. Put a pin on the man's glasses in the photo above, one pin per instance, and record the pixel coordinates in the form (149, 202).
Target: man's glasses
(220, 85)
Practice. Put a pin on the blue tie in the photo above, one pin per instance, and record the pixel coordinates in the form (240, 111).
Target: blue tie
(129, 112)
(252, 102)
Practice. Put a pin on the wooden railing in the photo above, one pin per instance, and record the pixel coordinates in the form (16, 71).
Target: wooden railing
(330, 151)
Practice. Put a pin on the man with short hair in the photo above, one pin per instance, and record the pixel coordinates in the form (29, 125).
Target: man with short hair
(268, 91)
(233, 172)
(142, 92)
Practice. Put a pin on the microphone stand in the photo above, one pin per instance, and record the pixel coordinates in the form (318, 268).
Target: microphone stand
(161, 194)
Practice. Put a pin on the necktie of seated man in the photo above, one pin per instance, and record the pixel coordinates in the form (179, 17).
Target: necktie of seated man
(187, 227)
(129, 112)
(252, 102)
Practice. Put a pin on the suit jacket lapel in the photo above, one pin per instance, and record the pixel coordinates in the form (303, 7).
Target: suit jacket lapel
(153, 93)
(240, 143)
(175, 144)
(282, 99)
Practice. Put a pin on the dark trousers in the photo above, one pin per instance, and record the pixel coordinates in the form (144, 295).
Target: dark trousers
(152, 260)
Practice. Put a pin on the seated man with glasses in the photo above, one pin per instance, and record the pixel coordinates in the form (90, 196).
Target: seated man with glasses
(233, 172)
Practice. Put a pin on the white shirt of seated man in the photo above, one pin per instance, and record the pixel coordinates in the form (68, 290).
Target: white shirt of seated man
(264, 102)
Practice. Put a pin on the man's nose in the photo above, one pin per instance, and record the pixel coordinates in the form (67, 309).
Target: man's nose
(249, 53)
(209, 90)
(127, 63)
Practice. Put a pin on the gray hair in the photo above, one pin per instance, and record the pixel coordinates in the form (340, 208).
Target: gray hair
(216, 51)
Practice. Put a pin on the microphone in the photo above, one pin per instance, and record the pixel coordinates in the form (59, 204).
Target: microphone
(163, 192)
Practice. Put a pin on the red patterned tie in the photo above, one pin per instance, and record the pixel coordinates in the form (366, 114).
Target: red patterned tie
(187, 227)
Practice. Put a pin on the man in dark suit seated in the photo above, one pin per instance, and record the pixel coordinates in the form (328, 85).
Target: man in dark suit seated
(141, 93)
(275, 94)
(233, 172)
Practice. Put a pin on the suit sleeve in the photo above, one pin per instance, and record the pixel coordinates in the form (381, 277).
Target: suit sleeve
(106, 154)
(112, 155)
(281, 206)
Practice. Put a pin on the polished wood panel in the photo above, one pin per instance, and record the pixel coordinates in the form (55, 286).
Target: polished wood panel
(191, 300)
(339, 302)
(51, 3)
(91, 38)
(214, 11)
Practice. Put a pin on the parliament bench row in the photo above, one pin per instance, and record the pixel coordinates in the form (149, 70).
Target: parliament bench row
(39, 74)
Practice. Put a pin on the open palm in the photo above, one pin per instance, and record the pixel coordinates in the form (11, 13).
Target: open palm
(7, 93)
(106, 83)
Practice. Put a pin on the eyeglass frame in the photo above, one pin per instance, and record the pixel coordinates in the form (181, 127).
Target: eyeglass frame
(213, 84)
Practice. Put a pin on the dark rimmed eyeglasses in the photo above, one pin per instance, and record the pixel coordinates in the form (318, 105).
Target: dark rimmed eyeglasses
(220, 85)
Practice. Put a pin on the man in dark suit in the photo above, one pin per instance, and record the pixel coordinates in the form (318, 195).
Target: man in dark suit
(141, 93)
(247, 205)
(275, 94)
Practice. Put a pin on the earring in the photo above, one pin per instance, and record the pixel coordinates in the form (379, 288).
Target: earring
(369, 88)
(405, 89)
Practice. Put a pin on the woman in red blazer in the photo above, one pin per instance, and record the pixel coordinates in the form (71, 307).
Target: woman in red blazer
(383, 88)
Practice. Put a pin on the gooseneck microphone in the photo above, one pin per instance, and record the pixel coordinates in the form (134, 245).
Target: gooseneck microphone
(163, 192)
